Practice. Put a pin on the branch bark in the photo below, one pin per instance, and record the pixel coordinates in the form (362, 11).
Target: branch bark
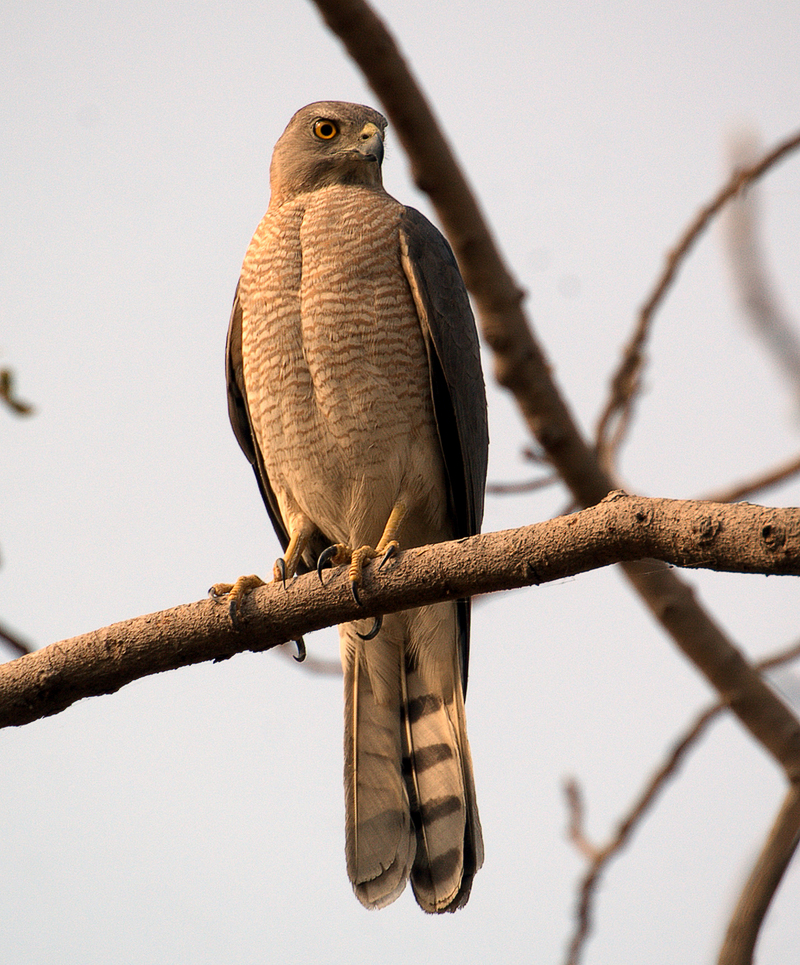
(734, 538)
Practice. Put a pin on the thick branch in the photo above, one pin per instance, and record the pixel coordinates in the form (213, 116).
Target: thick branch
(739, 538)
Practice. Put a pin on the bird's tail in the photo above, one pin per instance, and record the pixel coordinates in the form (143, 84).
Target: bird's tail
(410, 796)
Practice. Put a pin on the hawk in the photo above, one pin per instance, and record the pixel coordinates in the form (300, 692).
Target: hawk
(356, 393)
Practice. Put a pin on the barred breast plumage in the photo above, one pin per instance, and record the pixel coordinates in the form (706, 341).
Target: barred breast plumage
(335, 365)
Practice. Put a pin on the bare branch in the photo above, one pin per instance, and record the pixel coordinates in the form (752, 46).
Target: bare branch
(14, 641)
(757, 485)
(737, 538)
(600, 856)
(756, 290)
(7, 394)
(518, 488)
(575, 829)
(792, 652)
(740, 939)
(627, 379)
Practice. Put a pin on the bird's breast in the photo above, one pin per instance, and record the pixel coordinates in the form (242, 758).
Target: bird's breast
(335, 363)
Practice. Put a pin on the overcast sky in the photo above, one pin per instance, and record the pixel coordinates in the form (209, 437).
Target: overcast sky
(197, 816)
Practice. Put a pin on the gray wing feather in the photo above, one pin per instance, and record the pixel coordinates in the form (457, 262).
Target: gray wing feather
(457, 389)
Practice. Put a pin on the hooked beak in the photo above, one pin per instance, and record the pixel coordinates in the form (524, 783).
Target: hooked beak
(370, 144)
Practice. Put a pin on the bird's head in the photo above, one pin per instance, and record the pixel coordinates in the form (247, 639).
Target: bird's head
(329, 142)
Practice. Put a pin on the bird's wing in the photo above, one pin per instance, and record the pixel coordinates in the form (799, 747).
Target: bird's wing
(239, 414)
(457, 389)
(456, 378)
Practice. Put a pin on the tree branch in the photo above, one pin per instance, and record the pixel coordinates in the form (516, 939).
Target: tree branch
(521, 366)
(756, 290)
(736, 538)
(626, 380)
(750, 487)
(742, 934)
(600, 855)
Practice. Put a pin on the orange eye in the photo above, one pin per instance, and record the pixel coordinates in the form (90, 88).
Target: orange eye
(326, 130)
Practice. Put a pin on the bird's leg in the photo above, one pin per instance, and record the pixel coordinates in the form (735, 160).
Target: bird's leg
(285, 568)
(387, 546)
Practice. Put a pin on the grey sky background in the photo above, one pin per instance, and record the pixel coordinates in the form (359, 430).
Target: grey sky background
(197, 817)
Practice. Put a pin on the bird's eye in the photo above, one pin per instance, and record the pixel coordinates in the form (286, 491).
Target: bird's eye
(326, 130)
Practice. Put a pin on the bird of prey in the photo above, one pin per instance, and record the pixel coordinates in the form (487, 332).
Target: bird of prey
(355, 390)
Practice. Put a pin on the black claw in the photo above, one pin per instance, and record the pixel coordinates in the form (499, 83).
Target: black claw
(374, 630)
(354, 591)
(233, 610)
(300, 656)
(390, 552)
(325, 558)
(280, 565)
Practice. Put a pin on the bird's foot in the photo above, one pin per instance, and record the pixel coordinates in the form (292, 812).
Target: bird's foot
(333, 555)
(235, 593)
(280, 572)
(340, 553)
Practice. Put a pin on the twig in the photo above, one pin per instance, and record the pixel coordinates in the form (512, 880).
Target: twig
(15, 642)
(7, 394)
(600, 856)
(626, 381)
(742, 934)
(756, 290)
(528, 486)
(575, 830)
(757, 485)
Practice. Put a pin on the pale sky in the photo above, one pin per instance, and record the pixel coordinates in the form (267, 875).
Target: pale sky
(197, 817)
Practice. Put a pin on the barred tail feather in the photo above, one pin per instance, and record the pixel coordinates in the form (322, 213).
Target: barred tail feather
(409, 791)
(379, 838)
(439, 769)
